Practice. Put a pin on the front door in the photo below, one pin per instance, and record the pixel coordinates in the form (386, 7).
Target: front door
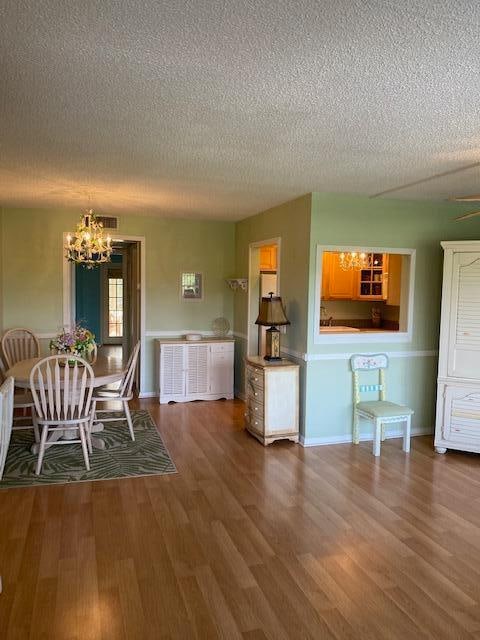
(113, 305)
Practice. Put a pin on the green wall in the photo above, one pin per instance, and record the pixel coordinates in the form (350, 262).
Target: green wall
(32, 278)
(291, 223)
(354, 220)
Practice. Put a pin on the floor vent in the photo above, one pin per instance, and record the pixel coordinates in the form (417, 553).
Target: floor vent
(109, 222)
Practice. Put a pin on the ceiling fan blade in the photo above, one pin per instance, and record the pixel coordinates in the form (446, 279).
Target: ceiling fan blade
(472, 198)
(472, 214)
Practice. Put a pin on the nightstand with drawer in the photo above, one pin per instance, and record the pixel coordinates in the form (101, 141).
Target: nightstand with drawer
(272, 399)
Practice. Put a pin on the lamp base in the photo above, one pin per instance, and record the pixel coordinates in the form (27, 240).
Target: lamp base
(272, 346)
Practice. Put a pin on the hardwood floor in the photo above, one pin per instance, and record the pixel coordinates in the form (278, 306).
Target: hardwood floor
(247, 542)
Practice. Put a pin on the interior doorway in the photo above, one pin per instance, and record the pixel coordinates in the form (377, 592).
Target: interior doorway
(110, 300)
(264, 277)
(107, 298)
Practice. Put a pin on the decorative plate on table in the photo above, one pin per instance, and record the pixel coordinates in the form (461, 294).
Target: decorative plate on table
(220, 327)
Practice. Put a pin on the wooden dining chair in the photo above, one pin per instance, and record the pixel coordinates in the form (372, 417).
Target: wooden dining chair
(22, 400)
(19, 344)
(6, 420)
(123, 394)
(62, 388)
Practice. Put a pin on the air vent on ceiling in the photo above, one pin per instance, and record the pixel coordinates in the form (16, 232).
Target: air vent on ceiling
(109, 222)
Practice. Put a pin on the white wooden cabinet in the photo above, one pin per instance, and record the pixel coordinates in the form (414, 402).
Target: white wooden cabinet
(458, 393)
(194, 370)
(272, 399)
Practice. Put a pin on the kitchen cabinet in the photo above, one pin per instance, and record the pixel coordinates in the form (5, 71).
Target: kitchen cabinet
(268, 258)
(272, 399)
(337, 284)
(394, 279)
(191, 370)
(372, 283)
(365, 284)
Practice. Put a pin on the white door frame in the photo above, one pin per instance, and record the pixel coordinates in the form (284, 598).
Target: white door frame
(254, 272)
(69, 296)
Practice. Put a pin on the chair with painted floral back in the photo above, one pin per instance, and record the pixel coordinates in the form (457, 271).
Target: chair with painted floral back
(381, 411)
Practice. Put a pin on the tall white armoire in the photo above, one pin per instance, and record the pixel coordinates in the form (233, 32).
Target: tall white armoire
(458, 398)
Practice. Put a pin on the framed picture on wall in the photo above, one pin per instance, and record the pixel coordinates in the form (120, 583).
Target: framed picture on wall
(191, 285)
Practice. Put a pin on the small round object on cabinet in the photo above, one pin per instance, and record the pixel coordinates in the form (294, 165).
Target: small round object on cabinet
(220, 327)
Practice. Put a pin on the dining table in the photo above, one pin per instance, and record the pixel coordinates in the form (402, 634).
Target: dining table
(108, 368)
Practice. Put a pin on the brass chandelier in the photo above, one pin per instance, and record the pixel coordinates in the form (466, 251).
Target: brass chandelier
(88, 246)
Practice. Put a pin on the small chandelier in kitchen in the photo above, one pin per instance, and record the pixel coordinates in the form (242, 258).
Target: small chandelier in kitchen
(350, 260)
(88, 246)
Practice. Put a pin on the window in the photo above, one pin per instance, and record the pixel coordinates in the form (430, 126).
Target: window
(115, 307)
(364, 294)
(191, 286)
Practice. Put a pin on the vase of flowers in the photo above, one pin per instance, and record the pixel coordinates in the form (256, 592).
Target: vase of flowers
(78, 342)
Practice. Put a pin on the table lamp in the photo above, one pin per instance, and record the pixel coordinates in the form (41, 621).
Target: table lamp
(272, 314)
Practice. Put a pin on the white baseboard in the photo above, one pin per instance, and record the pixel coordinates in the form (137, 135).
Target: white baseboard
(147, 394)
(391, 433)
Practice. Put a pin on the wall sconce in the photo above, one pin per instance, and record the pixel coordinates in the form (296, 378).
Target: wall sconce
(237, 283)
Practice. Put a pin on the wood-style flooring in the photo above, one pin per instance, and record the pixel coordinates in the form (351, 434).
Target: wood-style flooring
(248, 543)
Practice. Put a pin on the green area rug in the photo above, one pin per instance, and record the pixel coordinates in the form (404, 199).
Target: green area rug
(121, 458)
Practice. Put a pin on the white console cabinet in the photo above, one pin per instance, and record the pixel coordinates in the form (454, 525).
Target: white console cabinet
(189, 370)
(458, 394)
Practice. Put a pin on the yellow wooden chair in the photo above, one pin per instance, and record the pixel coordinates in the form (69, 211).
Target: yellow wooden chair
(380, 412)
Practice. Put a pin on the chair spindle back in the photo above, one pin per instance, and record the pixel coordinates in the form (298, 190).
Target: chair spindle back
(19, 344)
(62, 388)
(127, 382)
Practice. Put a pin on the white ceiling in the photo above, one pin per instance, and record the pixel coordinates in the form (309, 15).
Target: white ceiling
(219, 109)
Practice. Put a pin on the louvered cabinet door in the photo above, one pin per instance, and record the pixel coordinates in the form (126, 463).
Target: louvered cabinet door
(172, 370)
(197, 368)
(464, 338)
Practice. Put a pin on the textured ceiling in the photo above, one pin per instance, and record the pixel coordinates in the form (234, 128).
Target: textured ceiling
(222, 109)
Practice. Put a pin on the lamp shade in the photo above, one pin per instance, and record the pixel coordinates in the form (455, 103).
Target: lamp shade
(272, 312)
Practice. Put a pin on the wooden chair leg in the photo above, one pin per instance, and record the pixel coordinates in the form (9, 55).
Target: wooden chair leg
(356, 431)
(377, 438)
(89, 438)
(41, 451)
(406, 437)
(126, 408)
(92, 419)
(383, 431)
(36, 432)
(83, 439)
